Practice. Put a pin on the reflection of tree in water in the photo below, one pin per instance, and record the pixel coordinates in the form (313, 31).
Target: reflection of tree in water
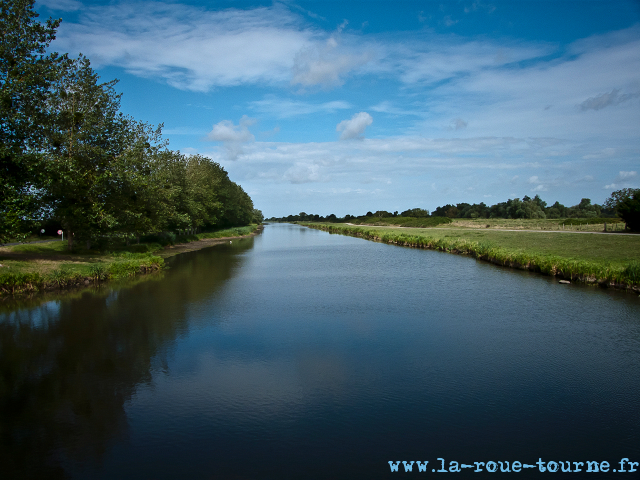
(66, 371)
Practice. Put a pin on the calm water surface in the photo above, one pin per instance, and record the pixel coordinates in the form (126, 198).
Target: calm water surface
(299, 354)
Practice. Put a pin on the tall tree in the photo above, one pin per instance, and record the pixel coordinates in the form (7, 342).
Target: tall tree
(26, 75)
(87, 134)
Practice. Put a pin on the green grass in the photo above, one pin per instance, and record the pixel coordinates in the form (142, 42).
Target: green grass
(42, 266)
(228, 232)
(25, 277)
(424, 222)
(571, 224)
(605, 259)
(57, 247)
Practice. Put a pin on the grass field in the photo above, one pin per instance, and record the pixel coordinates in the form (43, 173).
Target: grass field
(606, 259)
(38, 266)
(567, 224)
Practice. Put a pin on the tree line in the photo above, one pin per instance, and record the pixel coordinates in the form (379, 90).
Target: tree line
(69, 157)
(624, 203)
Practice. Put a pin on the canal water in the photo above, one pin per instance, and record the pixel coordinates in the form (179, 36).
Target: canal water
(304, 355)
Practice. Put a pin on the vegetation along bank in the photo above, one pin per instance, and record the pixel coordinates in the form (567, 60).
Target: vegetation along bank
(37, 267)
(605, 260)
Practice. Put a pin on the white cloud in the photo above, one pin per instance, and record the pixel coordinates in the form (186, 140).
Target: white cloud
(533, 179)
(192, 48)
(232, 136)
(354, 128)
(284, 108)
(302, 173)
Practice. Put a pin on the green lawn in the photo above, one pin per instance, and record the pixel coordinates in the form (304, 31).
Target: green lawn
(610, 258)
(579, 246)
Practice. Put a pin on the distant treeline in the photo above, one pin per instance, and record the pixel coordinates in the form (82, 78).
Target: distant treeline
(70, 160)
(622, 204)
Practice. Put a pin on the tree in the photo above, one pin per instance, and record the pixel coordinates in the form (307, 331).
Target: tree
(584, 210)
(87, 133)
(617, 197)
(258, 217)
(135, 193)
(26, 75)
(629, 211)
(557, 210)
(415, 212)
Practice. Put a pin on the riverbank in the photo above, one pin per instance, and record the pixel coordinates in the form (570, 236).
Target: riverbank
(606, 260)
(36, 267)
(608, 225)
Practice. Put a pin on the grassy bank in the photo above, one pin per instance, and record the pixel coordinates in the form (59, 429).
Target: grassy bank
(424, 222)
(607, 260)
(551, 224)
(37, 267)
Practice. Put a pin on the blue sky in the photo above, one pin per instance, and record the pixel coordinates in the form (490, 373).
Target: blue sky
(349, 106)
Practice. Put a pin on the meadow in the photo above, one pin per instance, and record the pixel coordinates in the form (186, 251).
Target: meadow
(604, 259)
(565, 224)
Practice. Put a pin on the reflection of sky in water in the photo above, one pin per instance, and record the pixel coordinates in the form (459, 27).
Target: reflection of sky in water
(308, 329)
(38, 317)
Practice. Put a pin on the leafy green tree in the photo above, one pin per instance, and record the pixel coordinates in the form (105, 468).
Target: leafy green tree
(135, 191)
(258, 217)
(629, 211)
(611, 204)
(26, 74)
(382, 214)
(557, 210)
(414, 212)
(584, 210)
(88, 133)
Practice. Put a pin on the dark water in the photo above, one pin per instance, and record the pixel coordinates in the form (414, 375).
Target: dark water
(299, 354)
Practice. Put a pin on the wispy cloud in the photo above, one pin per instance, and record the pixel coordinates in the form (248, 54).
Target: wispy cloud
(327, 64)
(190, 47)
(285, 108)
(607, 99)
(61, 5)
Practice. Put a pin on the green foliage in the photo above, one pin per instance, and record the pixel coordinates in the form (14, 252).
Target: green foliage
(618, 197)
(26, 73)
(629, 211)
(98, 272)
(632, 272)
(415, 213)
(68, 155)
